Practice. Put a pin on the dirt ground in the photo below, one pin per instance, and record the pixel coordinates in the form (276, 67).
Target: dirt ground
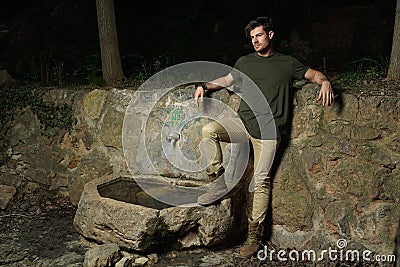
(37, 230)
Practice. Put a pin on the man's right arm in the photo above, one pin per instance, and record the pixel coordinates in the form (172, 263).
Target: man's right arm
(222, 82)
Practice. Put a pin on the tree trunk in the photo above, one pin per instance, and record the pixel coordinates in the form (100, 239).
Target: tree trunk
(394, 66)
(110, 57)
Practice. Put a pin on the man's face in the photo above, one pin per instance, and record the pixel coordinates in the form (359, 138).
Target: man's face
(260, 39)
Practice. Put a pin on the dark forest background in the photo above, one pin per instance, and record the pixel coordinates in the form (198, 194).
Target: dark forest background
(61, 37)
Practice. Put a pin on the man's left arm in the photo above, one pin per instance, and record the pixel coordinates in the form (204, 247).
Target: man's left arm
(326, 92)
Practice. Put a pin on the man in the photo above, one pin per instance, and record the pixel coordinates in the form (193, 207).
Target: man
(273, 73)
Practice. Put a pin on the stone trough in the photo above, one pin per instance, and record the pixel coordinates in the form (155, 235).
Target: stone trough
(114, 209)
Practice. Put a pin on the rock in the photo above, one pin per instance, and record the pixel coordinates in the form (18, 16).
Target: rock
(31, 187)
(93, 103)
(160, 115)
(105, 219)
(365, 132)
(189, 240)
(102, 256)
(140, 261)
(69, 259)
(339, 174)
(126, 261)
(141, 228)
(110, 127)
(132, 262)
(96, 163)
(6, 80)
(153, 258)
(11, 180)
(394, 145)
(26, 129)
(6, 195)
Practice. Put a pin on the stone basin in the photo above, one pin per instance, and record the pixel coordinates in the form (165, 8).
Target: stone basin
(114, 208)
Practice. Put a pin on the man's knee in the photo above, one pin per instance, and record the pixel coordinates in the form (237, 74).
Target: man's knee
(210, 130)
(262, 183)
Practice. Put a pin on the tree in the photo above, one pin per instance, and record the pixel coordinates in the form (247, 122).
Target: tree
(110, 57)
(394, 66)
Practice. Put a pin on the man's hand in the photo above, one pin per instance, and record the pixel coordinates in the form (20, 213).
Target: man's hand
(198, 94)
(326, 94)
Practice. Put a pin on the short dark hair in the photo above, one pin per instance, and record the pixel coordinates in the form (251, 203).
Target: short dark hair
(265, 22)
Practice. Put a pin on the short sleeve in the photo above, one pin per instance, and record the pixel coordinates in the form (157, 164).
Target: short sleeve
(298, 69)
(236, 74)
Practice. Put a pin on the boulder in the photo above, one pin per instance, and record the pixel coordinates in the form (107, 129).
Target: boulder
(5, 79)
(6, 194)
(102, 256)
(118, 219)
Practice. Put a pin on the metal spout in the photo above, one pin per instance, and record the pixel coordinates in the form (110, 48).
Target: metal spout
(173, 138)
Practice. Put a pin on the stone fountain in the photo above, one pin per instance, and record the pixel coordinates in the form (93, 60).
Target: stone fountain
(156, 204)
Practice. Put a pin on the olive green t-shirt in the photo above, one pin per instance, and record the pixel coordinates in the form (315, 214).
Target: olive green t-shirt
(274, 77)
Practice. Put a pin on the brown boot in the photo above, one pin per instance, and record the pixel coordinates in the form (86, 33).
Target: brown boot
(215, 191)
(251, 246)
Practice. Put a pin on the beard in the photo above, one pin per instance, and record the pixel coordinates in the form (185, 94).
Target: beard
(263, 49)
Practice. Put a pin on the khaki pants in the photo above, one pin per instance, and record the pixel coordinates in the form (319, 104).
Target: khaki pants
(232, 130)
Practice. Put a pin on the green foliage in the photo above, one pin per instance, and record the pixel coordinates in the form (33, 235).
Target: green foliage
(371, 68)
(360, 72)
(54, 116)
(51, 116)
(143, 68)
(41, 68)
(90, 73)
(148, 69)
(45, 70)
(58, 73)
(138, 69)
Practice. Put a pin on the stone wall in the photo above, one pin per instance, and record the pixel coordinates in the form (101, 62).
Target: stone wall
(338, 177)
